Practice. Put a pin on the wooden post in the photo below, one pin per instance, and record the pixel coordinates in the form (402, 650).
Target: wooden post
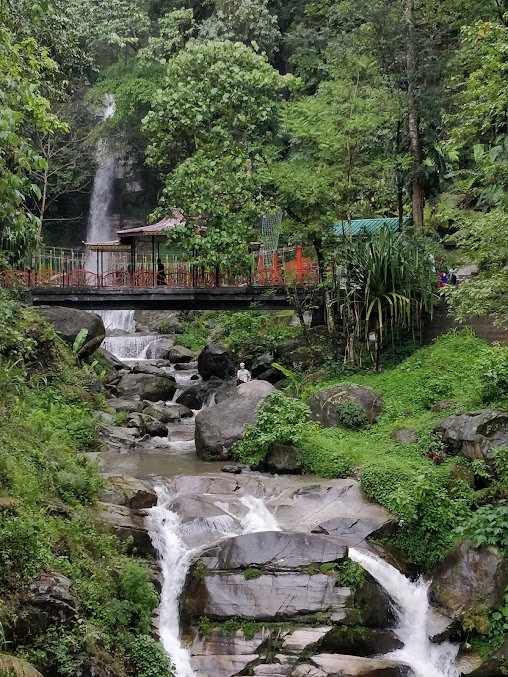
(98, 270)
(261, 269)
(299, 262)
(275, 267)
(153, 261)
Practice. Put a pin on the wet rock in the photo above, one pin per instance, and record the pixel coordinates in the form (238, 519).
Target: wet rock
(214, 390)
(129, 406)
(152, 370)
(272, 597)
(187, 366)
(214, 360)
(355, 530)
(221, 666)
(323, 404)
(137, 421)
(284, 458)
(163, 413)
(180, 354)
(262, 364)
(273, 551)
(51, 601)
(234, 469)
(111, 359)
(132, 492)
(150, 321)
(405, 435)
(68, 322)
(354, 666)
(475, 435)
(118, 437)
(127, 525)
(219, 428)
(148, 387)
(375, 605)
(303, 639)
(469, 579)
(281, 667)
(359, 641)
(154, 427)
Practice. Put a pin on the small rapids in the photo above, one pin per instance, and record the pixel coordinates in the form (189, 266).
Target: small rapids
(176, 544)
(411, 605)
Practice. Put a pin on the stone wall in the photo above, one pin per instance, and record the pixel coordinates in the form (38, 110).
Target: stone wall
(442, 322)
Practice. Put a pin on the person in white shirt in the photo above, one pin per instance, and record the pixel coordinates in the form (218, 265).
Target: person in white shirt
(242, 375)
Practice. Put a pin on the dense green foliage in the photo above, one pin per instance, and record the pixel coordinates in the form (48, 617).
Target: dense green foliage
(47, 490)
(417, 482)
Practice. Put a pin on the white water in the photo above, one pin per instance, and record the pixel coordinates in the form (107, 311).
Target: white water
(100, 225)
(129, 347)
(176, 543)
(411, 606)
(118, 320)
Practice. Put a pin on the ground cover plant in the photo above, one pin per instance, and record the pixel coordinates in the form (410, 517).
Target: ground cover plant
(417, 482)
(48, 487)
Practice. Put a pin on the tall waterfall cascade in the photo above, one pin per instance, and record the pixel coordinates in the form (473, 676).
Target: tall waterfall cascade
(177, 543)
(101, 226)
(411, 605)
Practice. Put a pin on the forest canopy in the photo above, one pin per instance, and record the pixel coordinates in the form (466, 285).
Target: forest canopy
(326, 110)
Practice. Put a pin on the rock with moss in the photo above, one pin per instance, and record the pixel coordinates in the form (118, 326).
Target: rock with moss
(469, 580)
(475, 435)
(348, 405)
(17, 667)
(148, 387)
(68, 322)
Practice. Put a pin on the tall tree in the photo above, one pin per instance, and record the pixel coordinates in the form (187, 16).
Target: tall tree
(207, 137)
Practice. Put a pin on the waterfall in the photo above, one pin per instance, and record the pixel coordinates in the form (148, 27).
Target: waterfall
(411, 607)
(100, 225)
(133, 347)
(118, 320)
(177, 543)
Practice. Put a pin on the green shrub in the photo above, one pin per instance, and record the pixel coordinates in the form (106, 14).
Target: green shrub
(494, 374)
(351, 415)
(487, 526)
(149, 658)
(280, 419)
(252, 573)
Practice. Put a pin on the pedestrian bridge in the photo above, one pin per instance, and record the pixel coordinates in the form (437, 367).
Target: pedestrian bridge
(64, 281)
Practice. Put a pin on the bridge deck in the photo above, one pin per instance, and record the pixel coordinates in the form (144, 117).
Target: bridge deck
(163, 298)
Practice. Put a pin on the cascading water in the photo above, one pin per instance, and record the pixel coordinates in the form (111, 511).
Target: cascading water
(411, 606)
(118, 320)
(99, 222)
(176, 543)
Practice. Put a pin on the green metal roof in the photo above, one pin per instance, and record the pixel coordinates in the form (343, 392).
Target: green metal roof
(367, 225)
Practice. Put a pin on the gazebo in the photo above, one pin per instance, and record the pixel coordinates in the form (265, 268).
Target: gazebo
(127, 242)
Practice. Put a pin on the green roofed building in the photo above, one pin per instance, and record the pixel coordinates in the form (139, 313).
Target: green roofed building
(369, 226)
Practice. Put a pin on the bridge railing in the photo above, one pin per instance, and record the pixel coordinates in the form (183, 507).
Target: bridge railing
(57, 271)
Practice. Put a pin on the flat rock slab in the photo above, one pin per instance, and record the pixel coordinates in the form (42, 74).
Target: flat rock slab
(125, 524)
(221, 643)
(298, 641)
(220, 666)
(273, 551)
(475, 435)
(281, 667)
(336, 665)
(269, 597)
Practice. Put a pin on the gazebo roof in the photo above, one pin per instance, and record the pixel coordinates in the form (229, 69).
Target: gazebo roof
(368, 225)
(155, 230)
(111, 246)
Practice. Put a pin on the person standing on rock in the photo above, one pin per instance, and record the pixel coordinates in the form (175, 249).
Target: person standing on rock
(242, 375)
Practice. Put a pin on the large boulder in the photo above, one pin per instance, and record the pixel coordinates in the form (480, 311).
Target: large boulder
(475, 435)
(214, 360)
(284, 458)
(469, 580)
(51, 601)
(147, 386)
(262, 364)
(219, 428)
(215, 391)
(129, 491)
(324, 404)
(68, 322)
(298, 352)
(335, 665)
(11, 665)
(128, 525)
(153, 321)
(180, 354)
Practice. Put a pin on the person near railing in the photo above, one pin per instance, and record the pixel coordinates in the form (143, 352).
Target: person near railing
(161, 273)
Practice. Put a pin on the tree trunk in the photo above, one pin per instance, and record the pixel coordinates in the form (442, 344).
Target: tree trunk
(400, 178)
(415, 141)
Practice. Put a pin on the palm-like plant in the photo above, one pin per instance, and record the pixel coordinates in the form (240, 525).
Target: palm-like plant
(382, 284)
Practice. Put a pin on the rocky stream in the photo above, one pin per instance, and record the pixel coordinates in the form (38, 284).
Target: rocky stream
(256, 570)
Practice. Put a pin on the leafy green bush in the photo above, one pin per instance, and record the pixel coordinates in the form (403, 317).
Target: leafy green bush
(487, 526)
(138, 595)
(494, 374)
(149, 658)
(280, 419)
(351, 415)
